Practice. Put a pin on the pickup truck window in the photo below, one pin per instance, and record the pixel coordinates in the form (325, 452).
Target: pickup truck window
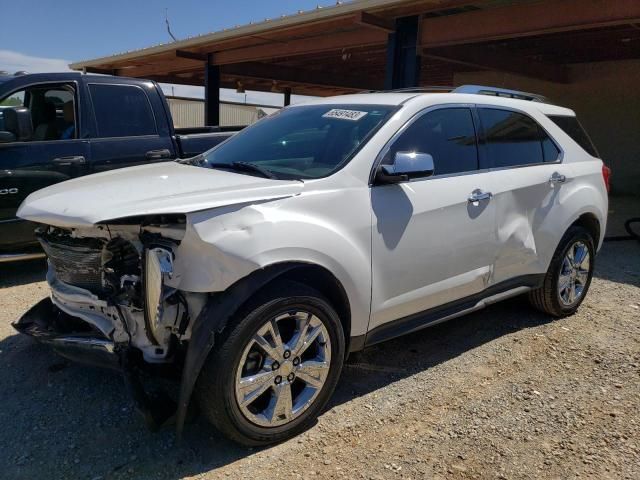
(299, 142)
(122, 111)
(51, 109)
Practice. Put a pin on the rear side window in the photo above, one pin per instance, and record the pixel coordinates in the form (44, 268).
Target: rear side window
(514, 139)
(122, 111)
(571, 126)
(447, 134)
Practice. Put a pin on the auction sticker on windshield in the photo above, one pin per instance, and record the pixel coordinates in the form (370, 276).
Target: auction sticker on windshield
(352, 115)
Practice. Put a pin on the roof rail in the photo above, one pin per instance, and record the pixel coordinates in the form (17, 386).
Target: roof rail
(500, 92)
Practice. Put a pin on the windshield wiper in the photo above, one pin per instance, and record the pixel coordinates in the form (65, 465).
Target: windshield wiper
(247, 167)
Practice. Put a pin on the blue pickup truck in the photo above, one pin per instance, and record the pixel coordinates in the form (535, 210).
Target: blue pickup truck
(57, 126)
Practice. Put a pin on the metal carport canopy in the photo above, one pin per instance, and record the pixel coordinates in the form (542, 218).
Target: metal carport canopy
(344, 48)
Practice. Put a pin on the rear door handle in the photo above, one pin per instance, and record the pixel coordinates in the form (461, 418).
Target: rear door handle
(158, 154)
(557, 178)
(478, 195)
(72, 160)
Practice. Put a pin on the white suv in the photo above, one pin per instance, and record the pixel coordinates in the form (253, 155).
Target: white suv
(322, 229)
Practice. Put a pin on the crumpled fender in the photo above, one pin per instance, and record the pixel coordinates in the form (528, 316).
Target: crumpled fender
(211, 321)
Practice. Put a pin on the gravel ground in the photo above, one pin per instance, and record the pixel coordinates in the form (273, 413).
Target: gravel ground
(503, 393)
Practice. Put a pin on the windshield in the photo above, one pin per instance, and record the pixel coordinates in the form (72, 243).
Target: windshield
(302, 142)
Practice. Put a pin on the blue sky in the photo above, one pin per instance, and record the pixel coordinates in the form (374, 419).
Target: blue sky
(46, 35)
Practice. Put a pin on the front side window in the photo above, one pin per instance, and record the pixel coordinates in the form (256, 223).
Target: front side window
(302, 142)
(122, 111)
(447, 134)
(514, 139)
(38, 113)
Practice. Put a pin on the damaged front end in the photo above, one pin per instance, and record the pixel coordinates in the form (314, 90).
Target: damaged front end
(114, 299)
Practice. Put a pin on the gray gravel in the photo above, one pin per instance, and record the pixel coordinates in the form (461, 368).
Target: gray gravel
(503, 393)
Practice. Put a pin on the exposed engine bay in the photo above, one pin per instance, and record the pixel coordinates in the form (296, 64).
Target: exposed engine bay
(117, 279)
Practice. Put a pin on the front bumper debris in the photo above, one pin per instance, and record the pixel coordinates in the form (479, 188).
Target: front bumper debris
(75, 339)
(69, 336)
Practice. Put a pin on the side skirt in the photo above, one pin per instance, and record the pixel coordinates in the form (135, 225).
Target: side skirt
(448, 311)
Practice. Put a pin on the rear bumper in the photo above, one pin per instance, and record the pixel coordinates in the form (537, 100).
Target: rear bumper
(69, 336)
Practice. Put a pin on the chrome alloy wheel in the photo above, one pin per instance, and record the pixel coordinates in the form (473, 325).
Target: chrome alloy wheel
(283, 368)
(574, 273)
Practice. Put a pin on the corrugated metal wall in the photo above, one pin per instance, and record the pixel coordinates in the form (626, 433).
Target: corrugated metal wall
(190, 113)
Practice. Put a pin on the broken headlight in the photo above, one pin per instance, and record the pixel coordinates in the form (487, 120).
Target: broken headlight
(158, 269)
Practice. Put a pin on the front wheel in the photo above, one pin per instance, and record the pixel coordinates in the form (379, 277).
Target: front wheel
(275, 368)
(569, 276)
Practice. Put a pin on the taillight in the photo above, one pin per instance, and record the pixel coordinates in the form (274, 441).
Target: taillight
(606, 175)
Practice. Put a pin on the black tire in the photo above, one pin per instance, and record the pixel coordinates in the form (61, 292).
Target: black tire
(546, 298)
(215, 389)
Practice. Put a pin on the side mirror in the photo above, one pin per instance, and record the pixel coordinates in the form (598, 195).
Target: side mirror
(17, 123)
(406, 165)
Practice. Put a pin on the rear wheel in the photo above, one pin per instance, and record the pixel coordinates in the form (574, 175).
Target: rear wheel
(569, 276)
(276, 368)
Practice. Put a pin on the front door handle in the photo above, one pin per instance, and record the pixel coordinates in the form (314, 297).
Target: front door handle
(158, 154)
(557, 178)
(71, 160)
(478, 195)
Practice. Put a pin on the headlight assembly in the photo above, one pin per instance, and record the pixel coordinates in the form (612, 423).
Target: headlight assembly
(158, 269)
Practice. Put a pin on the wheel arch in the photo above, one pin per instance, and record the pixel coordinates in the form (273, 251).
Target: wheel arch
(589, 222)
(221, 306)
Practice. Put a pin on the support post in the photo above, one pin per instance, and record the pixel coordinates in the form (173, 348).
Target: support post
(403, 55)
(287, 96)
(211, 94)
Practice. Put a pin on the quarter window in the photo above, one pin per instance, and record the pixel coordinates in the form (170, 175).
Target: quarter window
(122, 111)
(447, 134)
(571, 126)
(514, 139)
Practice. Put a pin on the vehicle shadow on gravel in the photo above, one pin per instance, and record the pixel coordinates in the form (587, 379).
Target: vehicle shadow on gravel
(22, 273)
(388, 362)
(619, 262)
(73, 421)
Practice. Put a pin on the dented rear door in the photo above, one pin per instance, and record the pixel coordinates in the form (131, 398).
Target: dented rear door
(527, 167)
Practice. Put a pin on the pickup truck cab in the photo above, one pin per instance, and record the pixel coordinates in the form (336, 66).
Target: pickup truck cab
(322, 229)
(54, 127)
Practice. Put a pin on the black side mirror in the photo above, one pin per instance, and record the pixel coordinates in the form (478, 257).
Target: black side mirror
(406, 165)
(17, 124)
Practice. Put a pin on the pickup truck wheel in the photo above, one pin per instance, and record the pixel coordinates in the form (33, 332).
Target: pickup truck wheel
(569, 276)
(275, 368)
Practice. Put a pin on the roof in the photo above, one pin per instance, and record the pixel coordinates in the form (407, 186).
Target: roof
(252, 28)
(343, 48)
(392, 98)
(306, 52)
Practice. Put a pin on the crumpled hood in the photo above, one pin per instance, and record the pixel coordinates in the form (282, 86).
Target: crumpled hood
(158, 188)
